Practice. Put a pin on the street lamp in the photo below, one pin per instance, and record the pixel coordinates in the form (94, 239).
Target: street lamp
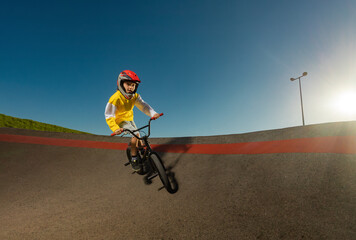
(300, 90)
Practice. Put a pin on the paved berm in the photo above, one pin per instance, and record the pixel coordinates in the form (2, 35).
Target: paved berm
(54, 192)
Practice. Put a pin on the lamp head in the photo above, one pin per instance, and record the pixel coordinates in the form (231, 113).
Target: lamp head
(304, 74)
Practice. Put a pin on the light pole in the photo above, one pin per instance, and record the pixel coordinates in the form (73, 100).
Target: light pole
(300, 90)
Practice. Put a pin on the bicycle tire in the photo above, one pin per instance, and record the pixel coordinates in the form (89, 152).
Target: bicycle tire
(161, 170)
(128, 153)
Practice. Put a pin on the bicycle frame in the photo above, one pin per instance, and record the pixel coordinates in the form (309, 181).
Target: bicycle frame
(155, 164)
(144, 138)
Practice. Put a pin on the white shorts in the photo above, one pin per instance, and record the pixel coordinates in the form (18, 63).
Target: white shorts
(128, 125)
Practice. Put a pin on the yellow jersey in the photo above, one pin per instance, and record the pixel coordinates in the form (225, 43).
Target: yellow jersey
(120, 109)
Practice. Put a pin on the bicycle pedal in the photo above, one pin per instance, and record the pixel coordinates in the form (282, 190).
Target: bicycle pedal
(126, 164)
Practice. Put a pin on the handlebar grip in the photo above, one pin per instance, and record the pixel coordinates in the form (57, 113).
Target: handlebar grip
(152, 118)
(122, 130)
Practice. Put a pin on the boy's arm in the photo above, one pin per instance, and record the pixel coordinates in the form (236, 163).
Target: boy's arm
(144, 107)
(110, 116)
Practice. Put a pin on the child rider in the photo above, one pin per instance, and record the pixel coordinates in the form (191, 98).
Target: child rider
(119, 109)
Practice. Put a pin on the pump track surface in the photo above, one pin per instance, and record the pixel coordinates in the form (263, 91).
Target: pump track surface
(292, 183)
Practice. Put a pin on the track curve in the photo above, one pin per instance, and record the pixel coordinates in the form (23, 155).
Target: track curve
(61, 192)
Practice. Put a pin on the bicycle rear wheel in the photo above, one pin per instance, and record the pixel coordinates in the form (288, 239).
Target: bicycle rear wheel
(128, 153)
(161, 171)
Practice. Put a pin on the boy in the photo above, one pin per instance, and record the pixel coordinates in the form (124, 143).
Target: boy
(119, 109)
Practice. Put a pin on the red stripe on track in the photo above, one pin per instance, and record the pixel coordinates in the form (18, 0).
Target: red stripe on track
(332, 144)
(61, 142)
(339, 144)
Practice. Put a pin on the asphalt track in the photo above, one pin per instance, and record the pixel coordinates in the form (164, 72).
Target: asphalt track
(293, 183)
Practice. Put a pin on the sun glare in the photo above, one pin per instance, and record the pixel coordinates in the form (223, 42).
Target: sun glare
(345, 103)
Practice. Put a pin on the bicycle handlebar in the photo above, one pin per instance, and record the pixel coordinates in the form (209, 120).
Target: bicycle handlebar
(152, 118)
(133, 132)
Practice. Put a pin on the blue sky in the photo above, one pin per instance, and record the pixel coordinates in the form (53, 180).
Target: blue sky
(212, 67)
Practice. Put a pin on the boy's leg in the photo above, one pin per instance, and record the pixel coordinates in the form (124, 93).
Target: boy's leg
(134, 146)
(134, 155)
(134, 143)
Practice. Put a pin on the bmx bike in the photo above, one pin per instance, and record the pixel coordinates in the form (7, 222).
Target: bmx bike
(150, 162)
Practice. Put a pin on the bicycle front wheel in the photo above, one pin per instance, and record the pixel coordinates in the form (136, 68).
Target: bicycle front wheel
(161, 170)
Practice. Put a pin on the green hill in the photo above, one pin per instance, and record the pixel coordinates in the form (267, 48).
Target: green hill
(12, 122)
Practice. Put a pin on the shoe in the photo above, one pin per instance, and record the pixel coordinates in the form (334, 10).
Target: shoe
(135, 163)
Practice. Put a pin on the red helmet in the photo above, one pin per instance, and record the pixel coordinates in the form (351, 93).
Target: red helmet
(124, 76)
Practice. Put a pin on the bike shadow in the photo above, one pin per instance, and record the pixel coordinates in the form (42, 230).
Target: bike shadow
(178, 146)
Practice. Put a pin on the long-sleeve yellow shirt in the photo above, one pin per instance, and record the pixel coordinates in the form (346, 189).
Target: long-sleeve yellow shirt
(120, 109)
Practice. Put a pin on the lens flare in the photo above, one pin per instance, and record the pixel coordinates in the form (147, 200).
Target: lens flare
(345, 103)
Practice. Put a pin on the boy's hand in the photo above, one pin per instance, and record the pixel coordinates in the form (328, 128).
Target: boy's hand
(156, 116)
(119, 131)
